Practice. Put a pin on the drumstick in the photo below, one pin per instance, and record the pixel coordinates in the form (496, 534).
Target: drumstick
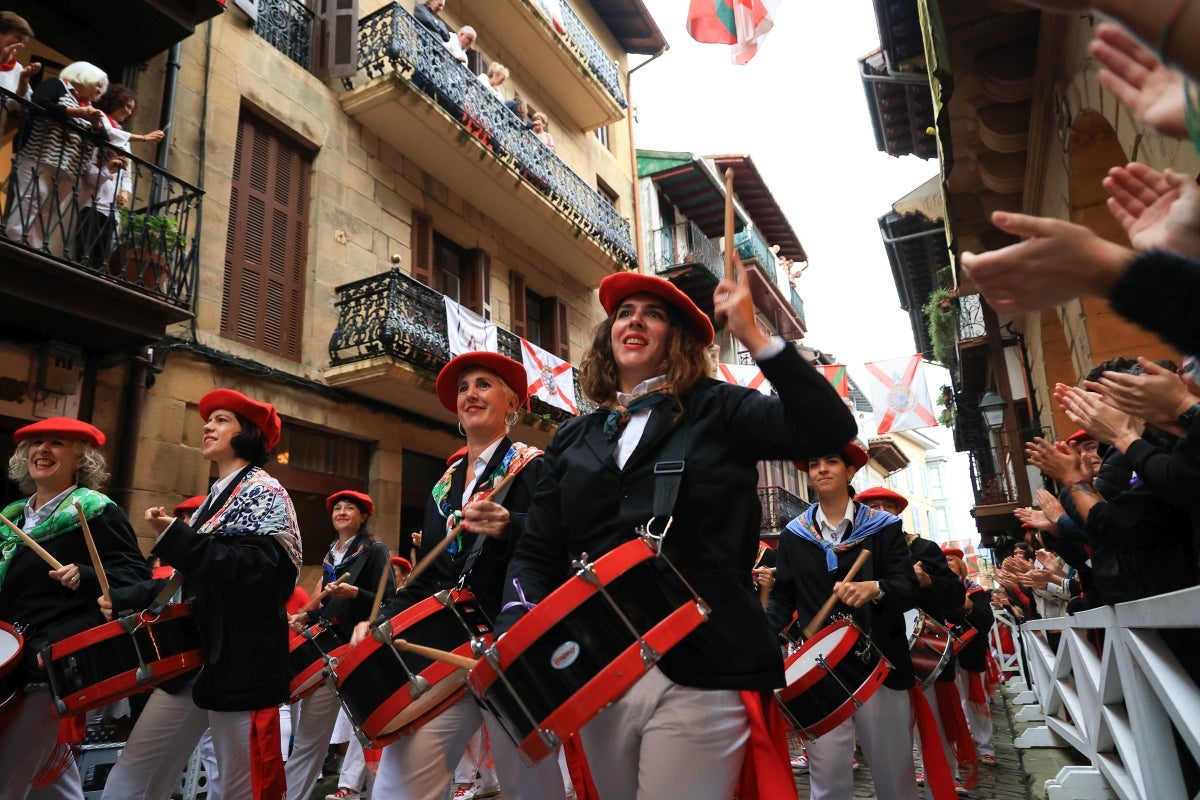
(729, 224)
(820, 616)
(383, 578)
(91, 546)
(432, 555)
(34, 546)
(316, 599)
(453, 659)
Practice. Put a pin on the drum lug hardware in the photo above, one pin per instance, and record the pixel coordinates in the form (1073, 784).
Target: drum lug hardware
(55, 690)
(654, 540)
(363, 739)
(445, 597)
(650, 656)
(549, 738)
(583, 568)
(849, 690)
(130, 623)
(417, 686)
(383, 632)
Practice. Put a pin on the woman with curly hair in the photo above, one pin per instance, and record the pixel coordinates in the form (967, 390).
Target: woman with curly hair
(59, 462)
(683, 730)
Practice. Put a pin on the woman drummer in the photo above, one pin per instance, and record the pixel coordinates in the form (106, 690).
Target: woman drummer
(59, 461)
(240, 555)
(484, 389)
(683, 729)
(350, 576)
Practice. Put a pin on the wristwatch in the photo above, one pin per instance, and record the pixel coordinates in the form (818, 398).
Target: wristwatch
(1185, 419)
(879, 588)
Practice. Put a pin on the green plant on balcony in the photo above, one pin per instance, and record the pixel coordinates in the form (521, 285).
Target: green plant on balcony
(148, 246)
(946, 401)
(943, 323)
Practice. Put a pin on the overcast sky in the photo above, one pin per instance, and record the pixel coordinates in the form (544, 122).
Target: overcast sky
(798, 108)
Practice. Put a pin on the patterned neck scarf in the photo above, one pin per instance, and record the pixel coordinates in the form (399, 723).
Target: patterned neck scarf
(515, 459)
(63, 520)
(866, 523)
(258, 506)
(356, 548)
(619, 416)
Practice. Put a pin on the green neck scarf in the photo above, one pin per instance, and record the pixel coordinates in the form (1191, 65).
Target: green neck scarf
(63, 520)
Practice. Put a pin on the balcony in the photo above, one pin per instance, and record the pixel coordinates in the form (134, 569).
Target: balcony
(390, 342)
(785, 314)
(994, 479)
(972, 343)
(752, 247)
(103, 282)
(779, 507)
(430, 108)
(586, 79)
(288, 26)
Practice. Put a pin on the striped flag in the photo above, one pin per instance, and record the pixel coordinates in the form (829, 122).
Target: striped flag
(467, 331)
(836, 375)
(741, 23)
(549, 377)
(744, 375)
(900, 394)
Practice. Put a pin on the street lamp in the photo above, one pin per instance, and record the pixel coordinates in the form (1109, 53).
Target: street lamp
(992, 406)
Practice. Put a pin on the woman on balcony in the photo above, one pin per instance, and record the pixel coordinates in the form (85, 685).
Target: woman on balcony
(685, 728)
(485, 390)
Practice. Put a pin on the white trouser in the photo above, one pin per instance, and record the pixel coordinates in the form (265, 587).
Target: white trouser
(980, 725)
(26, 741)
(419, 766)
(931, 696)
(477, 759)
(163, 739)
(884, 729)
(665, 740)
(354, 764)
(318, 714)
(212, 773)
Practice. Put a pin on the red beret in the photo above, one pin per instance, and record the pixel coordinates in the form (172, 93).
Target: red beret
(401, 561)
(511, 372)
(880, 493)
(262, 415)
(856, 455)
(618, 286)
(456, 455)
(186, 507)
(1079, 436)
(952, 551)
(363, 501)
(66, 427)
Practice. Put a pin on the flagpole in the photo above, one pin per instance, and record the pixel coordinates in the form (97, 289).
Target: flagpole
(729, 224)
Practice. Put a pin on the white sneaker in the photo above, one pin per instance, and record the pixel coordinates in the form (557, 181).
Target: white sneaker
(464, 792)
(487, 791)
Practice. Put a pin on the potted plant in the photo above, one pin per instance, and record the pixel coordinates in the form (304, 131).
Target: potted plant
(148, 245)
(943, 324)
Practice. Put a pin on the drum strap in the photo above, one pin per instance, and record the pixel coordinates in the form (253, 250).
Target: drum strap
(469, 562)
(166, 593)
(668, 471)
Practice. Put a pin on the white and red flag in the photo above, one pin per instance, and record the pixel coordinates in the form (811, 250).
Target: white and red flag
(740, 23)
(744, 375)
(900, 394)
(550, 378)
(467, 331)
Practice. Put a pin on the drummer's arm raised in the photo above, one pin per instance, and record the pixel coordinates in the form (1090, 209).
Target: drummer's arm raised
(894, 568)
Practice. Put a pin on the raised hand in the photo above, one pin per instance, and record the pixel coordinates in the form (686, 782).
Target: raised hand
(1132, 72)
(1157, 395)
(1102, 421)
(1157, 209)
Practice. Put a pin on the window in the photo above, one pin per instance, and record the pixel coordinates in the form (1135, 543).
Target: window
(462, 274)
(933, 480)
(321, 35)
(607, 192)
(602, 135)
(540, 320)
(262, 303)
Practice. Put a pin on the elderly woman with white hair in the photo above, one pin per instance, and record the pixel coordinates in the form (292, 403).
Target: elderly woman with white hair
(52, 156)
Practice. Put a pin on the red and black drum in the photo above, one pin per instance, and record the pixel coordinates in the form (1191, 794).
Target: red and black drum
(388, 692)
(830, 677)
(12, 645)
(120, 658)
(308, 653)
(584, 645)
(932, 644)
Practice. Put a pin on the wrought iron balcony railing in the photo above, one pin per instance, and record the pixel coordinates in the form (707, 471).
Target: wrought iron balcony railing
(797, 303)
(392, 314)
(588, 50)
(751, 245)
(971, 324)
(681, 244)
(779, 507)
(994, 476)
(288, 26)
(75, 197)
(391, 40)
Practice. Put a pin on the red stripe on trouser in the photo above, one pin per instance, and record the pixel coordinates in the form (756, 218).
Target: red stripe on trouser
(954, 723)
(267, 780)
(766, 769)
(577, 766)
(937, 771)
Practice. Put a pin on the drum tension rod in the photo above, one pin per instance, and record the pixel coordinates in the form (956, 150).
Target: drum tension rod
(55, 689)
(382, 632)
(132, 623)
(849, 691)
(585, 570)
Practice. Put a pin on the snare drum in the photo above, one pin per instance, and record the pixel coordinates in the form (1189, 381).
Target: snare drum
(830, 677)
(584, 645)
(931, 648)
(121, 658)
(388, 692)
(308, 653)
(12, 644)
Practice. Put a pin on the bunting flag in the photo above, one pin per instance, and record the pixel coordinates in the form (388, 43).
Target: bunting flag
(549, 377)
(836, 375)
(467, 331)
(744, 375)
(900, 394)
(741, 23)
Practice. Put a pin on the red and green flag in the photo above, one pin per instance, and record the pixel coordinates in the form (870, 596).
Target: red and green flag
(741, 23)
(836, 375)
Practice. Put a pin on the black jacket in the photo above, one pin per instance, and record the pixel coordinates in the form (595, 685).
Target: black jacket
(586, 503)
(365, 573)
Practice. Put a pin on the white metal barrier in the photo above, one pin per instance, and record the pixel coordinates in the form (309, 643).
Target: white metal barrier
(1116, 707)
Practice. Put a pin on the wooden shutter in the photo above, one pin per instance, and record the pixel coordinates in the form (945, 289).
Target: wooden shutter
(516, 289)
(476, 282)
(262, 301)
(335, 54)
(558, 338)
(422, 248)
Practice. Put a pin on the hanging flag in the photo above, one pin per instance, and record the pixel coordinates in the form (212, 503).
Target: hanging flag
(467, 331)
(553, 9)
(549, 377)
(836, 375)
(741, 23)
(900, 394)
(744, 375)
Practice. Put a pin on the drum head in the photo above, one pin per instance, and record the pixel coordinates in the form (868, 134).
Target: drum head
(834, 638)
(912, 624)
(10, 648)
